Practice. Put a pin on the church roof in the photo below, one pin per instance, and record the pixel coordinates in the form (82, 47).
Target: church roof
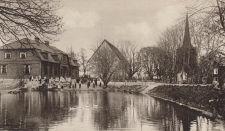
(187, 38)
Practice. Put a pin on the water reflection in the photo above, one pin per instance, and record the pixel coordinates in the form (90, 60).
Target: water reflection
(100, 110)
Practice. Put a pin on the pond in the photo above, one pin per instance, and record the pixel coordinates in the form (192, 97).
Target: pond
(98, 110)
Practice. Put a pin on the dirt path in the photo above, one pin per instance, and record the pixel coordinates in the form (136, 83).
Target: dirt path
(150, 86)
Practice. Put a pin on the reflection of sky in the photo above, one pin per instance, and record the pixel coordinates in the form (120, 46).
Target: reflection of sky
(92, 111)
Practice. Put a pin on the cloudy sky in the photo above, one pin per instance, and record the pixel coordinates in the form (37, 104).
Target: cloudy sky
(86, 22)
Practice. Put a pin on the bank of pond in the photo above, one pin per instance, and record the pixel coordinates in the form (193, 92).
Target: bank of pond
(68, 86)
(204, 98)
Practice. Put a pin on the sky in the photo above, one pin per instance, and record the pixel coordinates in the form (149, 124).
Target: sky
(89, 22)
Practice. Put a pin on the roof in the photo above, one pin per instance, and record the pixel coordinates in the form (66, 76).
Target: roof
(115, 51)
(26, 43)
(72, 63)
(38, 46)
(187, 38)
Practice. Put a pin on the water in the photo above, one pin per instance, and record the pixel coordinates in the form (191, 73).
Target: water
(93, 111)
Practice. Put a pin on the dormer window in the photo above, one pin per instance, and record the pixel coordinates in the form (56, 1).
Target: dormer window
(7, 55)
(55, 57)
(23, 55)
(44, 55)
(215, 70)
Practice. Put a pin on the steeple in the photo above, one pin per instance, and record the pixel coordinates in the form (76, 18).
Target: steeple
(187, 38)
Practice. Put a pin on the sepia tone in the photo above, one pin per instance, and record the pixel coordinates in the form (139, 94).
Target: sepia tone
(112, 65)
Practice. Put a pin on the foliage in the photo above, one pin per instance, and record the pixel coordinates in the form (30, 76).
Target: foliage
(27, 18)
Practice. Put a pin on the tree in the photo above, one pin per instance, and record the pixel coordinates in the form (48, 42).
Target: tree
(28, 18)
(130, 52)
(148, 61)
(83, 60)
(104, 62)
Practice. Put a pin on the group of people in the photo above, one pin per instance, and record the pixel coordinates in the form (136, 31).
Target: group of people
(94, 83)
(65, 82)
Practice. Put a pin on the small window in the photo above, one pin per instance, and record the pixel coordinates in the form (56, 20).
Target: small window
(27, 69)
(3, 69)
(55, 57)
(44, 55)
(23, 55)
(215, 70)
(7, 55)
(215, 78)
(64, 58)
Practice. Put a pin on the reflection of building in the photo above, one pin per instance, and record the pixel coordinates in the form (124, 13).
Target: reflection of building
(186, 58)
(27, 57)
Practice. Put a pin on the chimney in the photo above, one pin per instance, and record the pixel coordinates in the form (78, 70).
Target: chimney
(37, 39)
(47, 43)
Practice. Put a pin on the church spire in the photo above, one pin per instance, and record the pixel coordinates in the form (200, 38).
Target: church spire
(187, 38)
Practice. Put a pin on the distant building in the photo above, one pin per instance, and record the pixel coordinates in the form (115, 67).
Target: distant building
(25, 57)
(120, 63)
(219, 69)
(186, 58)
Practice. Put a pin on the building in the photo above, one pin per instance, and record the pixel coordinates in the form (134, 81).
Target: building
(186, 62)
(107, 57)
(219, 69)
(26, 57)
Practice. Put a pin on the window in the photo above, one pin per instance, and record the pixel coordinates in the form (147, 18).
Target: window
(27, 69)
(64, 58)
(45, 70)
(215, 78)
(7, 55)
(215, 70)
(23, 55)
(55, 57)
(44, 55)
(3, 69)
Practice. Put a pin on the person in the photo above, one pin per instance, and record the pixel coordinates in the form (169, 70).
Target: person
(100, 84)
(79, 84)
(96, 82)
(88, 84)
(40, 81)
(93, 84)
(30, 78)
(78, 80)
(73, 83)
(70, 83)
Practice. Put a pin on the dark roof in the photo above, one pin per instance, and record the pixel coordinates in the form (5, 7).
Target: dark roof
(26, 43)
(38, 46)
(187, 38)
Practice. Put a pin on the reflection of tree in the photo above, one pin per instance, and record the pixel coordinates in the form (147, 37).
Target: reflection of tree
(35, 109)
(114, 111)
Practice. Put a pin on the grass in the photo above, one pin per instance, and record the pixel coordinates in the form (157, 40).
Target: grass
(193, 95)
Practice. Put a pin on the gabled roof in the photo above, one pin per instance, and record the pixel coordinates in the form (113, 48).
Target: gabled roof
(26, 43)
(38, 46)
(115, 51)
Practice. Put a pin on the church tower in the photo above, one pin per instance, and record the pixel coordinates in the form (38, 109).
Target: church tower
(186, 57)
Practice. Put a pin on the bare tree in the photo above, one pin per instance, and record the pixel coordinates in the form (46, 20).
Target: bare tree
(26, 18)
(82, 57)
(148, 63)
(131, 53)
(104, 63)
